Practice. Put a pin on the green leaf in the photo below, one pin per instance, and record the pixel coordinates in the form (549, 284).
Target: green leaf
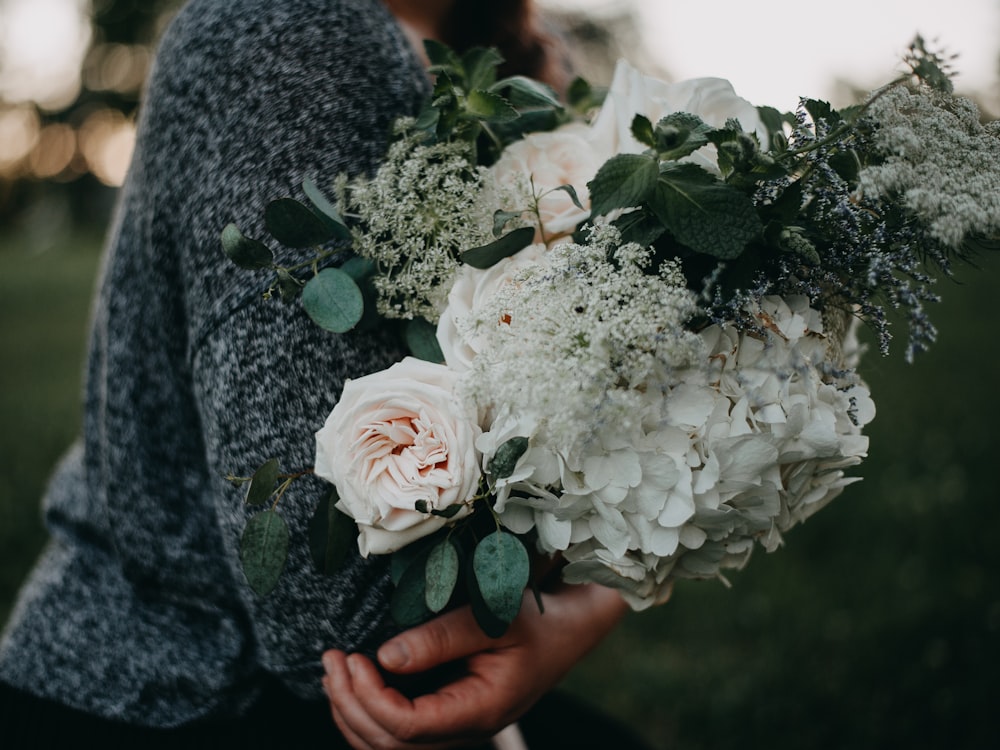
(703, 213)
(262, 482)
(408, 604)
(264, 550)
(489, 623)
(641, 227)
(441, 55)
(441, 575)
(623, 181)
(421, 339)
(501, 219)
(359, 268)
(288, 285)
(333, 300)
(642, 130)
(505, 460)
(526, 92)
(680, 134)
(245, 252)
(820, 110)
(480, 65)
(332, 535)
(326, 210)
(486, 256)
(294, 224)
(571, 192)
(485, 105)
(501, 566)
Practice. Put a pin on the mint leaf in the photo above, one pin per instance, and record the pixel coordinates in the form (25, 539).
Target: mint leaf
(680, 134)
(485, 105)
(623, 181)
(703, 213)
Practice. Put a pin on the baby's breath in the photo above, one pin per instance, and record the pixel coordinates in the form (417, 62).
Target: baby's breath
(576, 340)
(426, 205)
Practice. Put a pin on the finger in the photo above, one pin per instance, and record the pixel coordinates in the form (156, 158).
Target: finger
(451, 636)
(349, 712)
(457, 714)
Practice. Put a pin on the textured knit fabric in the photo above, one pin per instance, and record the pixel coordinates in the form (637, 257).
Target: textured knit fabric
(138, 609)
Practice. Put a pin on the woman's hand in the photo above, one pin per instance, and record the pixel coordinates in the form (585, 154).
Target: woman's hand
(503, 677)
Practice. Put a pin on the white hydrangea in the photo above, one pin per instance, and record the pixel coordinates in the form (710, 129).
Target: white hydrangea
(733, 449)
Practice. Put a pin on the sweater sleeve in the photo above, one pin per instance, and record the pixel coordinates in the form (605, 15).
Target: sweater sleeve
(247, 99)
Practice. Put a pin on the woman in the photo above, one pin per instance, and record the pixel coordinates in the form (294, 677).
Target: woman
(137, 624)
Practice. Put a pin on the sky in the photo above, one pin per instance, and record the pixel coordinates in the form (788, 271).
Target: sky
(772, 52)
(775, 52)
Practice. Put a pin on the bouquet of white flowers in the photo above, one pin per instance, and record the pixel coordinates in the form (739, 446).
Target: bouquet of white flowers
(633, 321)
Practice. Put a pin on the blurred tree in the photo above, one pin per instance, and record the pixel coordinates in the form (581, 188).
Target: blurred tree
(74, 155)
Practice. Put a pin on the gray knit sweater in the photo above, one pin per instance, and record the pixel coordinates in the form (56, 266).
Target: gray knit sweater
(138, 609)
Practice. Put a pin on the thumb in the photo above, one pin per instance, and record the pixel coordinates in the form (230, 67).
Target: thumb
(446, 638)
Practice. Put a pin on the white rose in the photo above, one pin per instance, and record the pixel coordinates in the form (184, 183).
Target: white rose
(632, 93)
(395, 438)
(544, 161)
(473, 286)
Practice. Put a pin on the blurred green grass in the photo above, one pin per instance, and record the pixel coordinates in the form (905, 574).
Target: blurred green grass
(877, 625)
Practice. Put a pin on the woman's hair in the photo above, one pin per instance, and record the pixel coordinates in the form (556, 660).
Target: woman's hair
(513, 27)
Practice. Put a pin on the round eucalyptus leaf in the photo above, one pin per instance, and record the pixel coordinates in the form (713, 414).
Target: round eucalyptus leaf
(264, 550)
(294, 224)
(245, 252)
(421, 339)
(333, 300)
(502, 568)
(440, 575)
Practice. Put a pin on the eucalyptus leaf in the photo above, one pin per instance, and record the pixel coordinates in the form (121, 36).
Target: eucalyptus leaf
(264, 551)
(440, 575)
(262, 482)
(332, 535)
(333, 300)
(485, 105)
(408, 604)
(623, 181)
(488, 622)
(486, 256)
(502, 568)
(294, 224)
(289, 286)
(326, 210)
(245, 252)
(421, 339)
(703, 213)
(505, 459)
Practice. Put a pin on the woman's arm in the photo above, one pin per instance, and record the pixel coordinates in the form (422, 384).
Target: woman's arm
(503, 677)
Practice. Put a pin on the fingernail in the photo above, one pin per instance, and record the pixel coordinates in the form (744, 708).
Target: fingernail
(393, 655)
(328, 661)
